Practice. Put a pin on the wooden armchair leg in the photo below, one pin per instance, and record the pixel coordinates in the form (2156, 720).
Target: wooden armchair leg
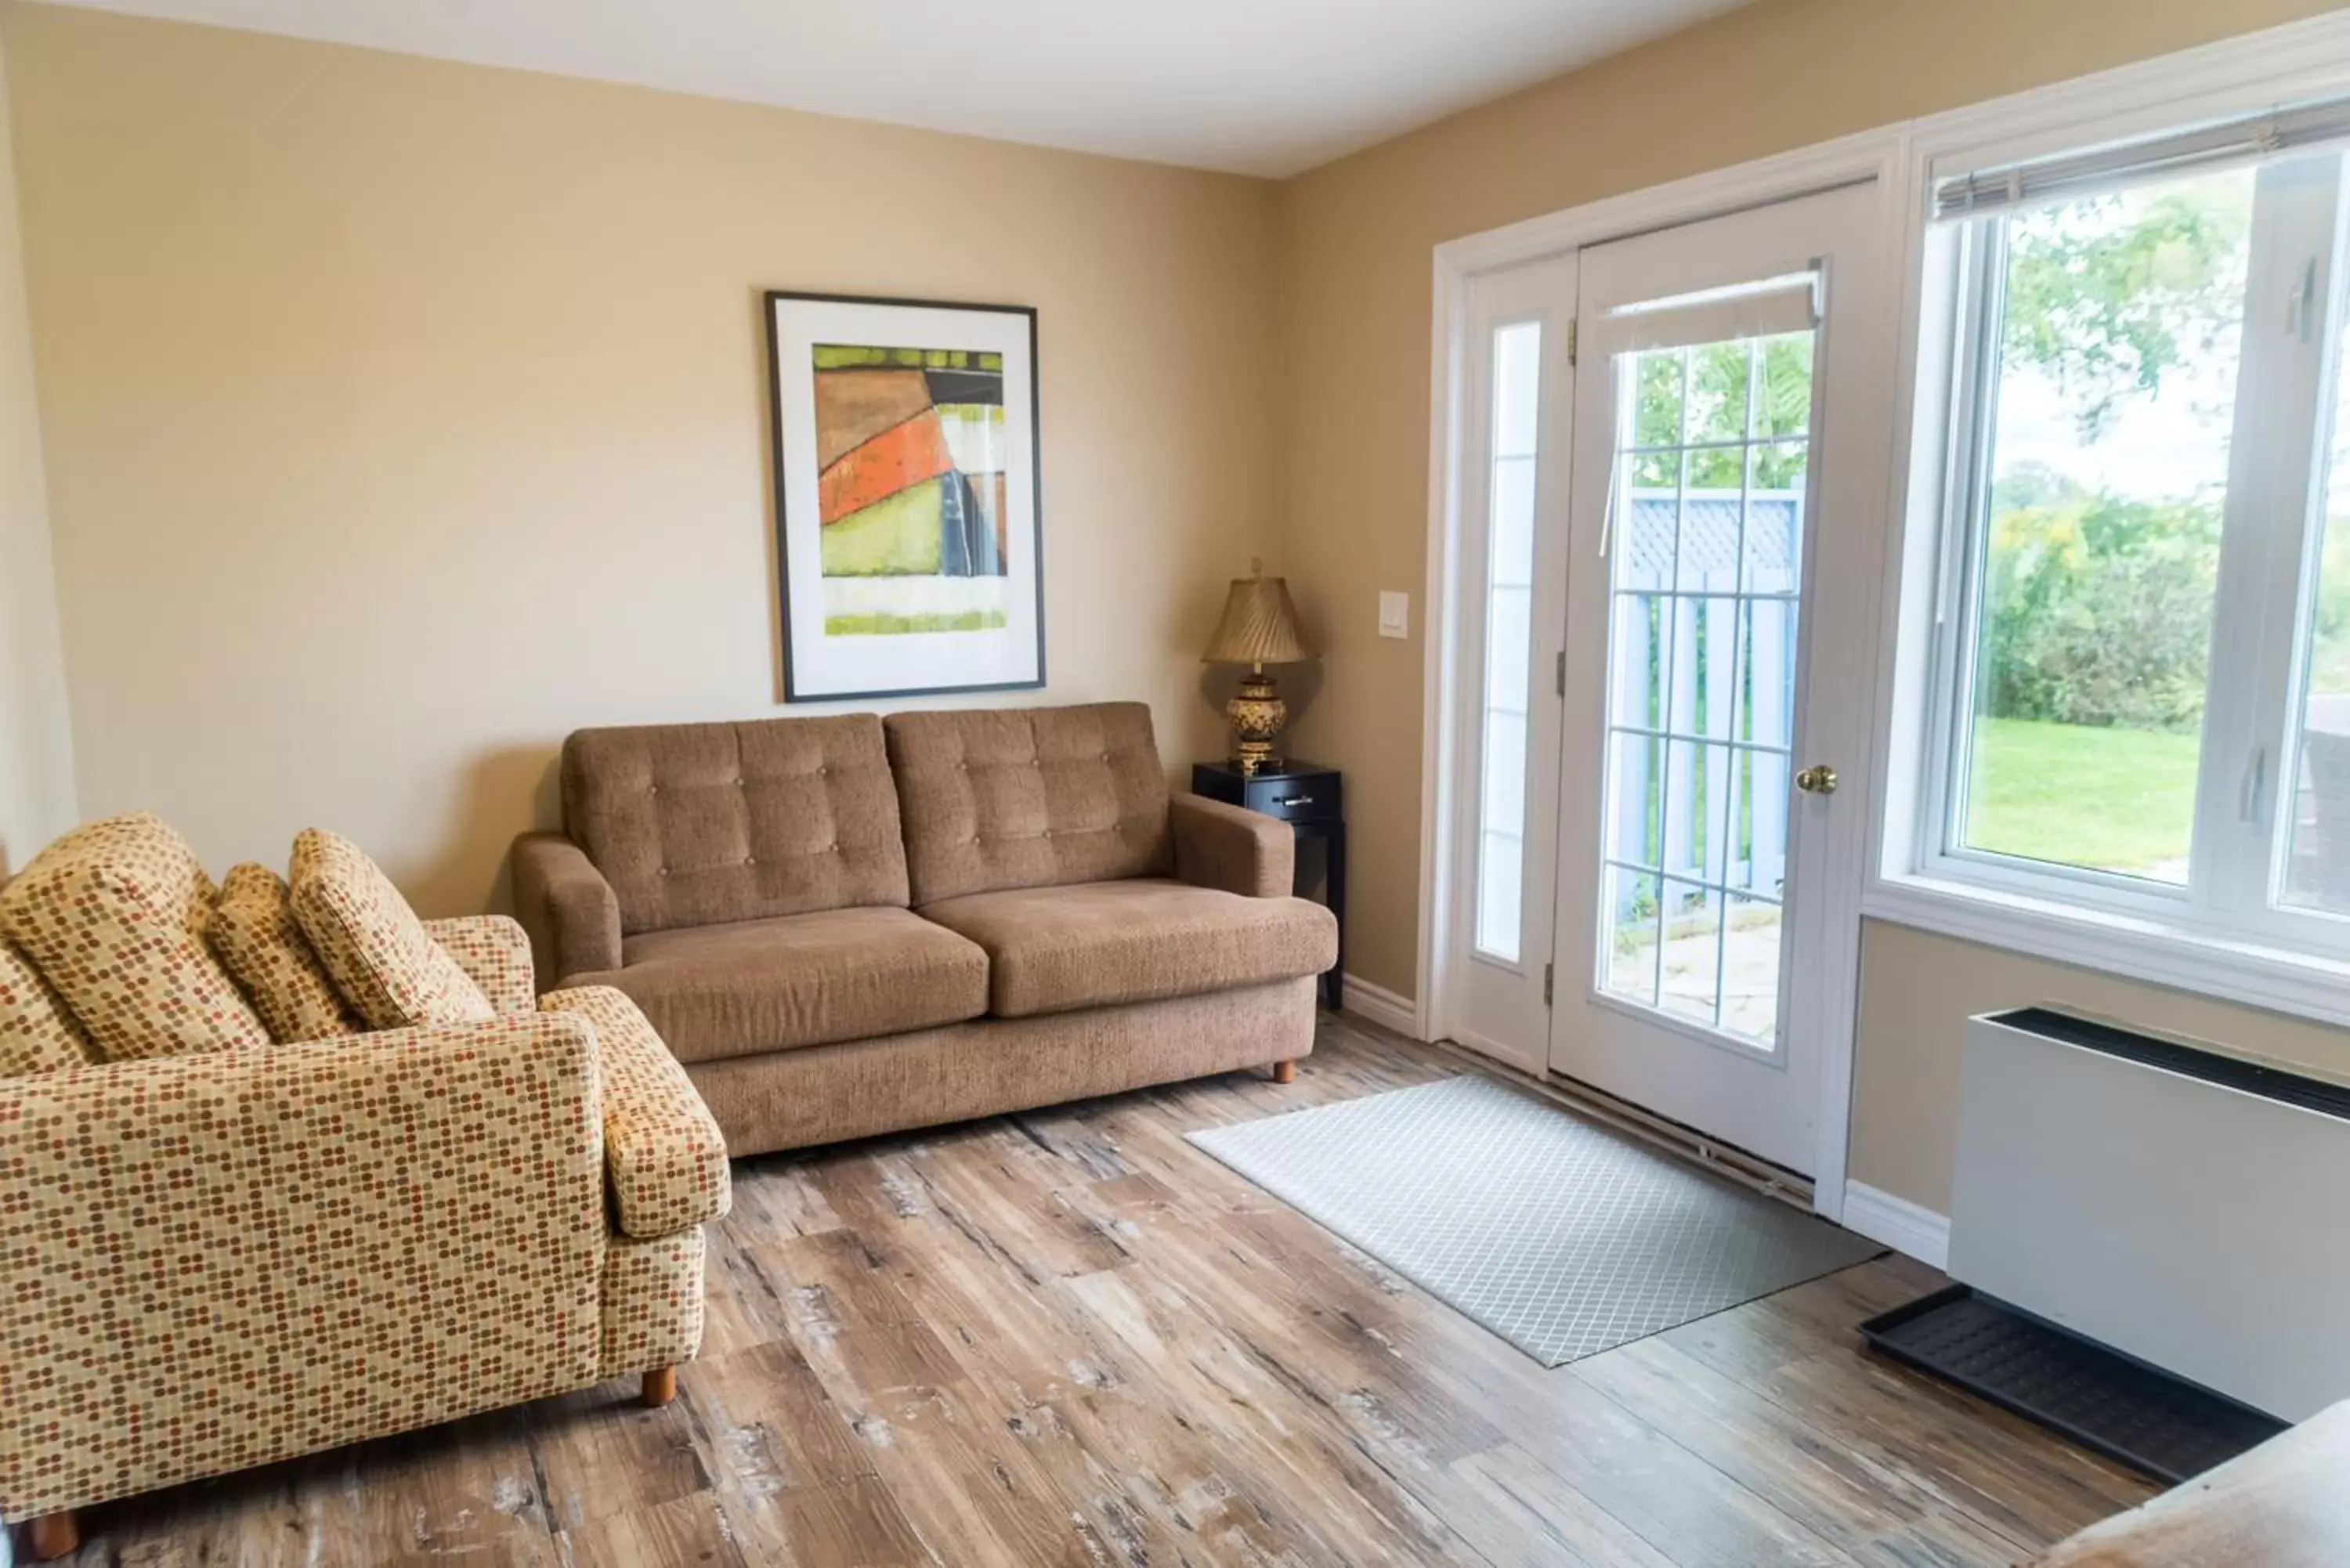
(659, 1386)
(53, 1535)
(1285, 1072)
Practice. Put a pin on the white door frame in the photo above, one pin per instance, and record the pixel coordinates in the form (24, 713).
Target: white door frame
(1446, 773)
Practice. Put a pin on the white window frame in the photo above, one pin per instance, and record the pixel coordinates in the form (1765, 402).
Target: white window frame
(2232, 946)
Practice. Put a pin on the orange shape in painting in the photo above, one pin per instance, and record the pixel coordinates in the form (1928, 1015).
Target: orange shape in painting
(852, 406)
(906, 454)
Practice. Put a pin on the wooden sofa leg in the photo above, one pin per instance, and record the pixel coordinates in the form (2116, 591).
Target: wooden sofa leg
(1285, 1072)
(660, 1386)
(53, 1535)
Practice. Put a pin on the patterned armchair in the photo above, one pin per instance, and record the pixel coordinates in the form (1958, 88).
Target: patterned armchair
(224, 1258)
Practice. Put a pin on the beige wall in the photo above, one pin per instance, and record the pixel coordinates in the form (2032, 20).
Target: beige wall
(1918, 989)
(1356, 238)
(403, 416)
(37, 782)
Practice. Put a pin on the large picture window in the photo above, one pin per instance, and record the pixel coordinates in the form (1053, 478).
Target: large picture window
(2144, 644)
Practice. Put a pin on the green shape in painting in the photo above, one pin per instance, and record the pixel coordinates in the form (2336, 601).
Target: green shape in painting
(879, 624)
(897, 536)
(859, 356)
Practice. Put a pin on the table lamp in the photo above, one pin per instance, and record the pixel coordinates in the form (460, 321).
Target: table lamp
(1260, 627)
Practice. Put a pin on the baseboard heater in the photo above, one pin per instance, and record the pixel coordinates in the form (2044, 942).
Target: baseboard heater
(2176, 1211)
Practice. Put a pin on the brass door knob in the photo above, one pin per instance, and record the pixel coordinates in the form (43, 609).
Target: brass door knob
(1818, 779)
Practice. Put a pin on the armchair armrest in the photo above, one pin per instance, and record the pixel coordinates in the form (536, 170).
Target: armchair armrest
(219, 1261)
(663, 1156)
(1231, 847)
(571, 913)
(494, 951)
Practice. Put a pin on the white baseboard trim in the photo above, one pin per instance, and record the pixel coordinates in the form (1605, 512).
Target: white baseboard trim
(1381, 1006)
(1906, 1226)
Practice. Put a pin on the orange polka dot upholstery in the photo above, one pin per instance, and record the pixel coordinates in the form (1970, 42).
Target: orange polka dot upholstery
(254, 932)
(371, 943)
(665, 1156)
(36, 1034)
(652, 1303)
(113, 915)
(213, 1261)
(494, 952)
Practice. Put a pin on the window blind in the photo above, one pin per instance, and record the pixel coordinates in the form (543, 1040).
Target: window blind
(2036, 182)
(1761, 310)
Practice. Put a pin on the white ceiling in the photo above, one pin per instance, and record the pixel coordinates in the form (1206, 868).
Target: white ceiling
(1258, 86)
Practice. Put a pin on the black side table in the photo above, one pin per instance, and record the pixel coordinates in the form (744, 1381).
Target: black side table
(1308, 798)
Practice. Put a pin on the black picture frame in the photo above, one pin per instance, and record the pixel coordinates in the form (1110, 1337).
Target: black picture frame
(795, 691)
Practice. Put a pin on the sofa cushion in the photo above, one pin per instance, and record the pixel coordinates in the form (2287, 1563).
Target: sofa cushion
(1053, 949)
(113, 915)
(1029, 797)
(254, 934)
(368, 938)
(36, 1034)
(752, 986)
(695, 825)
(664, 1158)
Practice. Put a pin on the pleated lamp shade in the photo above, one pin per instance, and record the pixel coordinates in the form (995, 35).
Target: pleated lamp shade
(1260, 625)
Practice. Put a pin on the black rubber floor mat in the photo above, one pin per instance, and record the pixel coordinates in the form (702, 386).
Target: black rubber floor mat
(2165, 1426)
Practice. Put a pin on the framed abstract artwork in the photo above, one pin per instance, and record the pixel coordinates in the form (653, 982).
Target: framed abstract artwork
(908, 527)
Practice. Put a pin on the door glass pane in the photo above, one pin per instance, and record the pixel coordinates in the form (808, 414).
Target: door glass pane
(1509, 649)
(2120, 329)
(1749, 968)
(1629, 926)
(2316, 804)
(1705, 566)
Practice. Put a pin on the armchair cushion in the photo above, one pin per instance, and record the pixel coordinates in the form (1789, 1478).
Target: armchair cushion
(216, 1261)
(36, 1034)
(113, 915)
(1053, 949)
(664, 1157)
(254, 932)
(371, 942)
(1241, 851)
(494, 952)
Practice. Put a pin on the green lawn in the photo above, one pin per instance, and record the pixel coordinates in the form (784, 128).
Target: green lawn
(2122, 800)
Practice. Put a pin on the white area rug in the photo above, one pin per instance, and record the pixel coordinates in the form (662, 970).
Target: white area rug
(1561, 1238)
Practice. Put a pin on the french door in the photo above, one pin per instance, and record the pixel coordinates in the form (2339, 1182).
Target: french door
(1719, 585)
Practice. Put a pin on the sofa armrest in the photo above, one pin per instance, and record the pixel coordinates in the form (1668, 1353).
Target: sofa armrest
(1231, 847)
(496, 953)
(571, 913)
(663, 1156)
(218, 1260)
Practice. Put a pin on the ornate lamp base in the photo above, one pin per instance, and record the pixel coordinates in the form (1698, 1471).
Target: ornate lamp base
(1257, 715)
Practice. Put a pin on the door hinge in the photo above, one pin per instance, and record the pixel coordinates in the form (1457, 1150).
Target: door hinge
(1562, 672)
(1548, 971)
(1574, 325)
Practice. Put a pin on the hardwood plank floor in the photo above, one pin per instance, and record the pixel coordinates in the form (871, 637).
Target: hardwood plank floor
(1070, 1338)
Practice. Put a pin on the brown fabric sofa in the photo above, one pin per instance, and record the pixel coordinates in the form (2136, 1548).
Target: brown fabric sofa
(852, 925)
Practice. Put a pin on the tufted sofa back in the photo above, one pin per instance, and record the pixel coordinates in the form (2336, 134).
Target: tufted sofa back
(694, 824)
(1029, 797)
